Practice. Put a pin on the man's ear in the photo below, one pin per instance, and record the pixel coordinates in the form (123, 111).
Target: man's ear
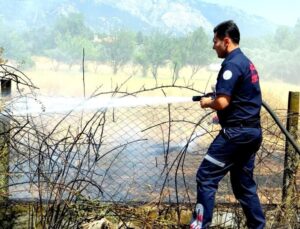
(226, 41)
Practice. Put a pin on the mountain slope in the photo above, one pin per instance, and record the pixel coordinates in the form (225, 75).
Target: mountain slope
(173, 16)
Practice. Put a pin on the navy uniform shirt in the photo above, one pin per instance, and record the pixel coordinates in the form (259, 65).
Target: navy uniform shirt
(239, 79)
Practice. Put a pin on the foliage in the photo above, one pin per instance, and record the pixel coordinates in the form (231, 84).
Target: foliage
(276, 56)
(140, 58)
(39, 39)
(283, 38)
(157, 50)
(14, 47)
(118, 48)
(73, 25)
(198, 48)
(178, 55)
(64, 41)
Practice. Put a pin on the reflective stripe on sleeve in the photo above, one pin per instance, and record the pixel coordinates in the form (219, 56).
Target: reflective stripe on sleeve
(214, 161)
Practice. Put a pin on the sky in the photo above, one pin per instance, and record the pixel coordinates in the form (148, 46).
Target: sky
(281, 12)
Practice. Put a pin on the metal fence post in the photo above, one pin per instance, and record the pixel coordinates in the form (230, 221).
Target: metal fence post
(290, 196)
(4, 141)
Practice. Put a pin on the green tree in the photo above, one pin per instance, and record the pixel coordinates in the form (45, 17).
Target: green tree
(72, 25)
(157, 51)
(39, 40)
(118, 48)
(139, 55)
(140, 58)
(70, 36)
(70, 48)
(140, 38)
(56, 55)
(94, 52)
(284, 38)
(178, 55)
(199, 50)
(15, 47)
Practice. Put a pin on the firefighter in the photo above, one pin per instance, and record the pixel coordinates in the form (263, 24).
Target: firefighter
(238, 103)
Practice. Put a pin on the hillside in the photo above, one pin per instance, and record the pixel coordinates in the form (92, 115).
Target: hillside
(176, 16)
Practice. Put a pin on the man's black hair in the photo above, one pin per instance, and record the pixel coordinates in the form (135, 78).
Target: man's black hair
(228, 28)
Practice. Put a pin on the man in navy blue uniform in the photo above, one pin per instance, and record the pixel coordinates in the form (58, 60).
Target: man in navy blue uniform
(238, 103)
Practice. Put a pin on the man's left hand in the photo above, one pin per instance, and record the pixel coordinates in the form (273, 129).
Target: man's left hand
(206, 102)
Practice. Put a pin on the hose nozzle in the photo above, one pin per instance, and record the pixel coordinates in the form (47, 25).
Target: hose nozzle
(199, 97)
(196, 98)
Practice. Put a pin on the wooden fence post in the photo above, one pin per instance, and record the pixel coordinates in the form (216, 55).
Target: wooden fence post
(290, 196)
(4, 141)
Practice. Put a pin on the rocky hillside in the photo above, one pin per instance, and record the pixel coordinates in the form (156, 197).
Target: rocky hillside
(175, 16)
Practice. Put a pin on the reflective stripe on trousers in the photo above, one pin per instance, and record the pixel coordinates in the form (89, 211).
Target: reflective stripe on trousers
(233, 150)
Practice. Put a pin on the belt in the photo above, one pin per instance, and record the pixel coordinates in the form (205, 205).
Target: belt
(243, 123)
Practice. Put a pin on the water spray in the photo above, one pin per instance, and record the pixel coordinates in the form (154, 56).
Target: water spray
(44, 104)
(61, 105)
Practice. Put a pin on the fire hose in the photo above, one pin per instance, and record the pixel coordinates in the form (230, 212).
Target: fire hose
(271, 112)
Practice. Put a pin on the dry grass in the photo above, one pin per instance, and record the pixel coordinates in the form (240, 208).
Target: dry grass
(69, 82)
(275, 93)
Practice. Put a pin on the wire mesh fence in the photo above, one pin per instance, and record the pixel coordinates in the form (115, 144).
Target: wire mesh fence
(142, 154)
(126, 154)
(134, 154)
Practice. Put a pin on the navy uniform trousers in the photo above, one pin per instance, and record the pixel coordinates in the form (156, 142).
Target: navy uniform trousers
(233, 150)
